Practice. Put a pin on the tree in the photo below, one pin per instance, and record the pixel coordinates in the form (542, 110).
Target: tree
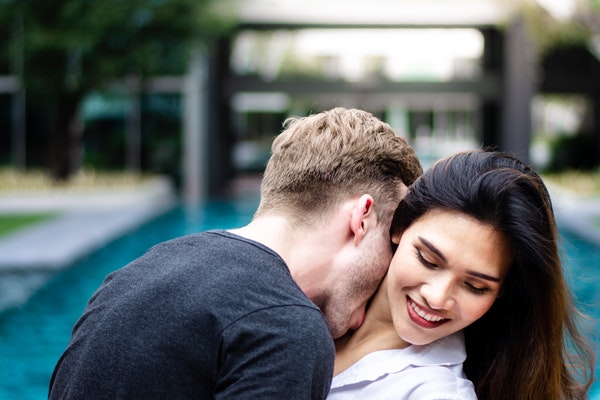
(71, 47)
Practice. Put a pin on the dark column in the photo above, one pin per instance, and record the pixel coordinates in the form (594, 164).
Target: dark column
(492, 65)
(18, 130)
(596, 128)
(220, 136)
(490, 124)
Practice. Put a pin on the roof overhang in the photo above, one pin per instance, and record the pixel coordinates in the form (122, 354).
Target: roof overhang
(374, 13)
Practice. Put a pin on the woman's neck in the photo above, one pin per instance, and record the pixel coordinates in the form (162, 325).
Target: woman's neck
(376, 333)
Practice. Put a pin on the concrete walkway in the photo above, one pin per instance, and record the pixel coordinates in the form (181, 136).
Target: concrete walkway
(85, 222)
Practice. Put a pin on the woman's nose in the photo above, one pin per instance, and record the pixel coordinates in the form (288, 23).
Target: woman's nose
(438, 292)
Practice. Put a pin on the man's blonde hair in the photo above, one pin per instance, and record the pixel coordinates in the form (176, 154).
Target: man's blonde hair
(323, 159)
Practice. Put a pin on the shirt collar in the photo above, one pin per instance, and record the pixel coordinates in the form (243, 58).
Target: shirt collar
(449, 350)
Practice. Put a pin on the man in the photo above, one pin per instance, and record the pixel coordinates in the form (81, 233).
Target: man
(250, 313)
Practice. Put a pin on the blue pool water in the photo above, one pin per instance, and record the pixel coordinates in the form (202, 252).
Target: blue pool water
(33, 337)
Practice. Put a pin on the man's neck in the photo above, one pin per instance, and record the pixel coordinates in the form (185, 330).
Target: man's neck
(308, 252)
(272, 231)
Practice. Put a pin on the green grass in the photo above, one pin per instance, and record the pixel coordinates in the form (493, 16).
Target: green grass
(12, 223)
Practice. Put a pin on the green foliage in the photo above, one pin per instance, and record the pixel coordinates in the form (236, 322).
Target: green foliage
(64, 49)
(579, 152)
(76, 45)
(547, 33)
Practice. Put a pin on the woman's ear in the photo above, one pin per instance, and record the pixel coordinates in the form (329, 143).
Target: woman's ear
(396, 237)
(395, 241)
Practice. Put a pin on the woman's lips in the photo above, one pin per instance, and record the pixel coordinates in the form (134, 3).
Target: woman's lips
(422, 317)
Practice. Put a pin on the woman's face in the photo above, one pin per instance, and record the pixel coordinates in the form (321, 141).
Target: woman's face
(446, 273)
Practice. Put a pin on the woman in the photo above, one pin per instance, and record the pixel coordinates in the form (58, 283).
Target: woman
(476, 263)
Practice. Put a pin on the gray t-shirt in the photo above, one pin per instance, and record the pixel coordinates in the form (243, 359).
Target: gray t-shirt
(208, 315)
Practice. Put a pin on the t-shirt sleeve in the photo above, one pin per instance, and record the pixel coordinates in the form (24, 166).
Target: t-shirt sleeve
(283, 352)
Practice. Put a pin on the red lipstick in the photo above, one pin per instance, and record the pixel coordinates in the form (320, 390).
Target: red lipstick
(422, 316)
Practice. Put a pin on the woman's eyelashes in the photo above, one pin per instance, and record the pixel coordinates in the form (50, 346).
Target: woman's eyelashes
(424, 261)
(474, 288)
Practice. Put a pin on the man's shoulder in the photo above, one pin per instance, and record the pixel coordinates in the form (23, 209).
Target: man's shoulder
(216, 241)
(286, 331)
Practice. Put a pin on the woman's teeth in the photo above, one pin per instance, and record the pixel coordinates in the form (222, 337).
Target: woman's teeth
(424, 315)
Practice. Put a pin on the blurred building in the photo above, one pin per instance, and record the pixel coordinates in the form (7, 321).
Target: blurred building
(446, 75)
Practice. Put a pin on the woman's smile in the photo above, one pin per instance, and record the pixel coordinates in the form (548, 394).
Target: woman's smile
(445, 274)
(423, 317)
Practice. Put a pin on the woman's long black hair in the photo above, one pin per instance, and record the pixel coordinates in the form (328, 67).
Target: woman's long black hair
(527, 346)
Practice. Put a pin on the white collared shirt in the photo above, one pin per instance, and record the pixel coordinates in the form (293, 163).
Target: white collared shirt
(426, 372)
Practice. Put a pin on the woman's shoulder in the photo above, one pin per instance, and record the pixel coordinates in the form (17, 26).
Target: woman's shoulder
(424, 382)
(440, 382)
(433, 371)
(449, 350)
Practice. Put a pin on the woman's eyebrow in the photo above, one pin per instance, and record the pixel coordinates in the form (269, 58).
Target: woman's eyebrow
(435, 250)
(483, 276)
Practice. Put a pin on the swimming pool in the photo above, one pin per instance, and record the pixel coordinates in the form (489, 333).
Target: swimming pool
(33, 337)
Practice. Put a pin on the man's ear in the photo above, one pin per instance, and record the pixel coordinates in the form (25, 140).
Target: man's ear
(363, 217)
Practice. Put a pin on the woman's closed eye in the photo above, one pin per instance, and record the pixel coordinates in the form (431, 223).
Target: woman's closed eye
(472, 287)
(475, 289)
(424, 261)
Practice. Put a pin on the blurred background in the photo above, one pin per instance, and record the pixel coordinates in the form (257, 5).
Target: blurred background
(196, 90)
(124, 123)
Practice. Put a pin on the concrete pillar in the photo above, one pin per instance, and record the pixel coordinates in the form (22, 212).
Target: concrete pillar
(519, 89)
(195, 131)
